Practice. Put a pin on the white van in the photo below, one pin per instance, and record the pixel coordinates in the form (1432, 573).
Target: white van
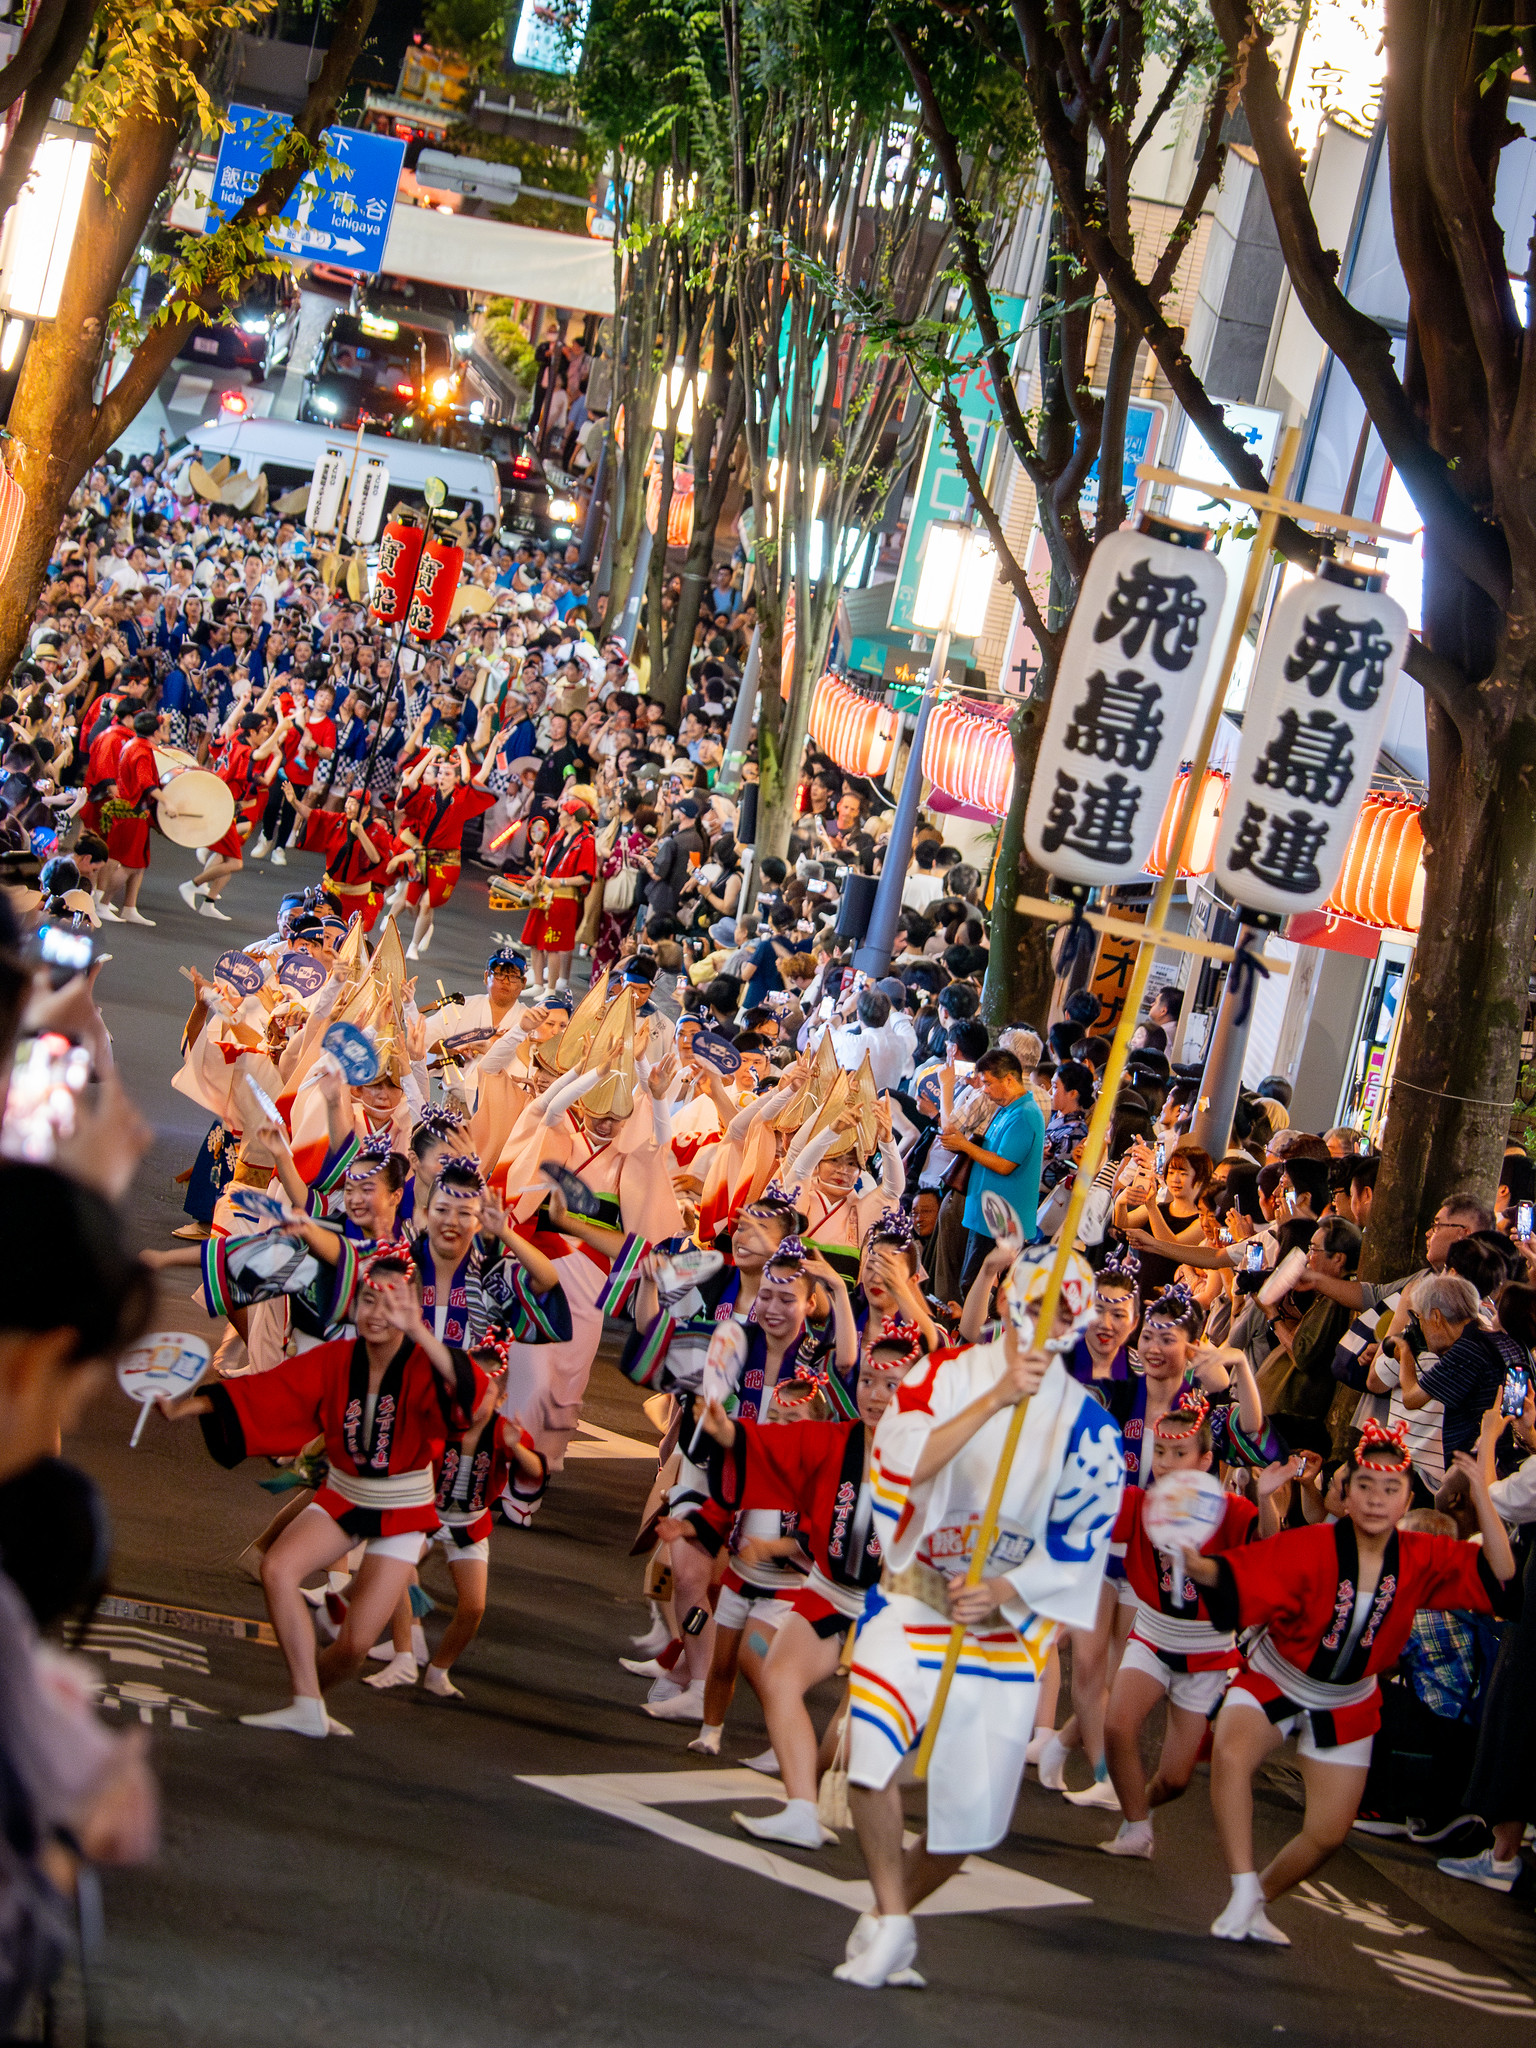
(287, 451)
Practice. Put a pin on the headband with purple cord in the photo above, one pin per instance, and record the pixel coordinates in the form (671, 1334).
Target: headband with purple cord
(1174, 1305)
(892, 1223)
(1123, 1266)
(442, 1122)
(460, 1176)
(791, 1252)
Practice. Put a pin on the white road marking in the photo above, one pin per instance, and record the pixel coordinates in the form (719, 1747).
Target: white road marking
(593, 1442)
(1443, 1980)
(641, 1798)
(121, 1643)
(1367, 1913)
(134, 1696)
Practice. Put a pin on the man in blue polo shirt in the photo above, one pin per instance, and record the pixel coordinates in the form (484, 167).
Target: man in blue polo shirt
(1005, 1157)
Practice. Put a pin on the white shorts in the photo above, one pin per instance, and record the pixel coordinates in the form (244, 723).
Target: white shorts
(735, 1610)
(1299, 1724)
(1198, 1692)
(463, 1553)
(408, 1549)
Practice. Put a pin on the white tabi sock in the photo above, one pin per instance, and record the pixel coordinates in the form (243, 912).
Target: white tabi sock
(887, 1957)
(1231, 1924)
(707, 1741)
(797, 1825)
(302, 1716)
(440, 1684)
(400, 1670)
(1133, 1838)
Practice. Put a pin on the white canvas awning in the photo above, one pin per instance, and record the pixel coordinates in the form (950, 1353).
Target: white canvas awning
(476, 255)
(493, 256)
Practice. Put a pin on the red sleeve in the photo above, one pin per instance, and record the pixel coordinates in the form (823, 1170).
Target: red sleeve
(1280, 1574)
(1442, 1571)
(1240, 1524)
(324, 832)
(476, 800)
(1127, 1520)
(281, 1410)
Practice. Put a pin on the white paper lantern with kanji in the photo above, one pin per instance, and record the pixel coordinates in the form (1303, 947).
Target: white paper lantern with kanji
(1141, 639)
(1322, 687)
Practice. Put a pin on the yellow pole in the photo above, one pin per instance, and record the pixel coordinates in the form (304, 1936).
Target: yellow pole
(1114, 1068)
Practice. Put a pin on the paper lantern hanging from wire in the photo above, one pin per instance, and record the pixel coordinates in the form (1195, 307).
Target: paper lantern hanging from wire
(855, 731)
(970, 757)
(787, 648)
(679, 511)
(1202, 853)
(1381, 881)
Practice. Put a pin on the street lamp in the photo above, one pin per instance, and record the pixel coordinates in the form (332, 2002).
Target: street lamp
(40, 228)
(953, 586)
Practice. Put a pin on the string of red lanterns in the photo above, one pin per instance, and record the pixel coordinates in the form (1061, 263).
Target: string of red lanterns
(970, 757)
(855, 731)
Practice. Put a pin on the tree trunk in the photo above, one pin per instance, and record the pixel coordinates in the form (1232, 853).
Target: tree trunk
(1019, 975)
(1459, 1049)
(628, 526)
(673, 683)
(53, 412)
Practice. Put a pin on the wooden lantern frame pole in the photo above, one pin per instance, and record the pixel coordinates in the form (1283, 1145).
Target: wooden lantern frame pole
(1272, 508)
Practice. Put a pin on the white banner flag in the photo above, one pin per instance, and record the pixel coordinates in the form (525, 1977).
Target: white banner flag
(365, 513)
(325, 492)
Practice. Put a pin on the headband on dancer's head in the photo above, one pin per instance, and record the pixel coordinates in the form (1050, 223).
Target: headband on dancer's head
(460, 1176)
(897, 1333)
(1123, 1266)
(1382, 1446)
(791, 1256)
(500, 1347)
(371, 1154)
(1175, 1305)
(394, 1256)
(438, 1121)
(1184, 1419)
(891, 1226)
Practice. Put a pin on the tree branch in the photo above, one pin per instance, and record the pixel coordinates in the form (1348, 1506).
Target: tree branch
(1476, 548)
(1012, 568)
(1163, 102)
(1207, 173)
(155, 354)
(40, 70)
(971, 257)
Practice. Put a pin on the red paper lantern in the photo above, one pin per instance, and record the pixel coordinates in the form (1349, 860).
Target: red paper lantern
(1382, 880)
(13, 506)
(399, 554)
(970, 757)
(787, 649)
(437, 580)
(858, 733)
(1202, 853)
(679, 511)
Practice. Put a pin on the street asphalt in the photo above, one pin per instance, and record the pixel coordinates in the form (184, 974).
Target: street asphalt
(539, 1862)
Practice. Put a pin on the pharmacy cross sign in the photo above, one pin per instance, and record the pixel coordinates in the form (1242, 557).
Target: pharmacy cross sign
(339, 214)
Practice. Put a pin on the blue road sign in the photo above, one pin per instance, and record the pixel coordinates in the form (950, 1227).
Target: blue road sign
(339, 217)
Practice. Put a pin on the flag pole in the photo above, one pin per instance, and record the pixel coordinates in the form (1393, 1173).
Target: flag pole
(1096, 1142)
